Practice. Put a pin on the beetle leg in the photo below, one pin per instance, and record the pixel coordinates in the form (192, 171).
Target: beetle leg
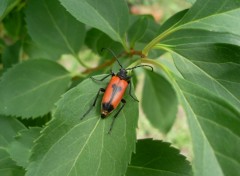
(130, 90)
(103, 77)
(115, 116)
(94, 103)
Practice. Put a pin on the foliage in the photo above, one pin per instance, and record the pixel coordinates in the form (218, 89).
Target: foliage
(41, 92)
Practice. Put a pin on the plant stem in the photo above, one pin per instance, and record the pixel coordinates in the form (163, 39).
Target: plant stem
(156, 40)
(158, 64)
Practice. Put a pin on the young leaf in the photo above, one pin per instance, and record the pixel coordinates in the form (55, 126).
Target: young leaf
(159, 101)
(9, 128)
(70, 146)
(137, 29)
(157, 158)
(31, 88)
(214, 126)
(53, 28)
(96, 40)
(150, 32)
(111, 17)
(20, 148)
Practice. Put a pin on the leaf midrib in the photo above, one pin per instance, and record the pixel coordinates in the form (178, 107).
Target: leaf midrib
(206, 17)
(104, 20)
(45, 155)
(65, 39)
(217, 124)
(83, 147)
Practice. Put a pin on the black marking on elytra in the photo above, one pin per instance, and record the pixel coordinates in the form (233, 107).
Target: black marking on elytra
(116, 89)
(107, 106)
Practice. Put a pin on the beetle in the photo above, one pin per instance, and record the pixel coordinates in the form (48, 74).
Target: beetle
(114, 92)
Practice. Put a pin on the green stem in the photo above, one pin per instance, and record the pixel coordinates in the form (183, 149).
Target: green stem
(155, 63)
(163, 46)
(156, 40)
(158, 64)
(134, 64)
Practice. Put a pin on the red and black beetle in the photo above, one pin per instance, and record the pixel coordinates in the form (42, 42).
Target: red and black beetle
(115, 91)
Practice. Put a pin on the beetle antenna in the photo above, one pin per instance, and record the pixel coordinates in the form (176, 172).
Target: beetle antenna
(113, 55)
(140, 66)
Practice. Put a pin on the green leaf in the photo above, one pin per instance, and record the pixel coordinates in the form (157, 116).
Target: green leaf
(14, 24)
(150, 32)
(31, 88)
(37, 122)
(137, 29)
(8, 167)
(10, 55)
(211, 68)
(218, 16)
(70, 146)
(159, 101)
(212, 16)
(191, 1)
(9, 128)
(34, 51)
(172, 21)
(214, 66)
(54, 29)
(214, 126)
(96, 40)
(111, 17)
(185, 38)
(20, 148)
(6, 6)
(157, 158)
